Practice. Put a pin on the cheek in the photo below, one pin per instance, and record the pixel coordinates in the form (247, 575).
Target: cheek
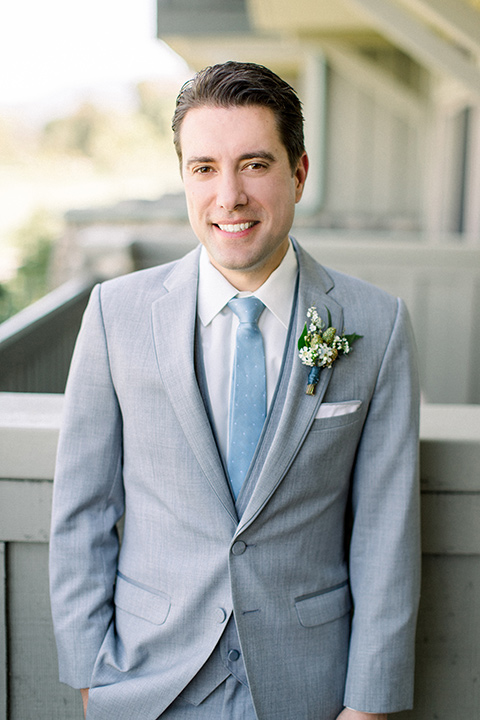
(194, 201)
(281, 196)
(282, 204)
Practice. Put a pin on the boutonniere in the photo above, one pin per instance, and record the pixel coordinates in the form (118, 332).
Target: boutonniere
(320, 346)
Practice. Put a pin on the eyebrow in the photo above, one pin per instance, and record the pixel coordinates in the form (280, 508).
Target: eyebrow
(258, 154)
(261, 154)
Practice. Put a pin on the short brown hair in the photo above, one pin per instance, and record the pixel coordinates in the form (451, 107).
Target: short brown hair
(235, 84)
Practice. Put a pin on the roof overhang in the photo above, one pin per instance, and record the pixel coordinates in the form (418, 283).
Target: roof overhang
(441, 35)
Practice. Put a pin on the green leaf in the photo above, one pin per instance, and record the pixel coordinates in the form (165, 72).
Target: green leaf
(352, 338)
(329, 316)
(301, 339)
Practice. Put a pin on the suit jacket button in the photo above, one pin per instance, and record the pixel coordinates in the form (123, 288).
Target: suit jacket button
(220, 615)
(239, 547)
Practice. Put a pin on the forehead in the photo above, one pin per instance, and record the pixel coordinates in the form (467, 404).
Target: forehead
(233, 128)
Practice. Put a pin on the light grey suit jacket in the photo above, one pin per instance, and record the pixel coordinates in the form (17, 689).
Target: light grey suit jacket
(321, 570)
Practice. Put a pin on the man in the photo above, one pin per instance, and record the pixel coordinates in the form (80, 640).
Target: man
(269, 561)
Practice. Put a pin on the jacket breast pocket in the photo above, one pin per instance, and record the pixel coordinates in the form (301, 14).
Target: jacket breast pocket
(149, 605)
(323, 607)
(341, 414)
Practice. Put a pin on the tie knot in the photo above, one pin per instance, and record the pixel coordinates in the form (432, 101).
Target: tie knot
(247, 309)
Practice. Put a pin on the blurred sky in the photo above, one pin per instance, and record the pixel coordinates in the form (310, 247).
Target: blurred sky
(53, 51)
(54, 55)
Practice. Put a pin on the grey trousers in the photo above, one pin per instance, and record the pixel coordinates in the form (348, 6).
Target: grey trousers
(229, 701)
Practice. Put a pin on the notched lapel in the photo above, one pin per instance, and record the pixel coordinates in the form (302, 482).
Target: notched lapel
(173, 320)
(294, 411)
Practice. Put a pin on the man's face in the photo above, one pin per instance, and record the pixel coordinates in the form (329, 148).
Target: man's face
(240, 189)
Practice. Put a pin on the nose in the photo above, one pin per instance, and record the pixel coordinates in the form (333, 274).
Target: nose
(230, 192)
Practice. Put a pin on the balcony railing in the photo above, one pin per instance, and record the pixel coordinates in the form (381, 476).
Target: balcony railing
(440, 285)
(448, 638)
(36, 344)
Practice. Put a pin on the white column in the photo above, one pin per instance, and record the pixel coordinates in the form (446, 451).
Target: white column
(472, 197)
(313, 94)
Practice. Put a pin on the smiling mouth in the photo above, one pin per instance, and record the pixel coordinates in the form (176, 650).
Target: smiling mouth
(236, 228)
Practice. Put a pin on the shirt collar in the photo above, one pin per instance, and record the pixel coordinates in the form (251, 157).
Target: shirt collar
(214, 290)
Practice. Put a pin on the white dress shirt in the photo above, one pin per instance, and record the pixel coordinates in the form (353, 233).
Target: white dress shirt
(218, 327)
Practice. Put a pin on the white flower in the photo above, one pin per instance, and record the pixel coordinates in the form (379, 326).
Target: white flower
(317, 324)
(307, 356)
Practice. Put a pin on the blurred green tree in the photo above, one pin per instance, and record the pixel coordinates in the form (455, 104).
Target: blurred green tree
(35, 241)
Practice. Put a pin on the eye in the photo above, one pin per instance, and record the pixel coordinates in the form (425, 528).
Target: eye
(256, 167)
(202, 170)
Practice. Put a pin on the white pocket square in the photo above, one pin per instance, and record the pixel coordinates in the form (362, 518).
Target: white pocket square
(335, 409)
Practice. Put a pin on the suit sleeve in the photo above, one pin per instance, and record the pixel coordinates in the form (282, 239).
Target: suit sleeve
(88, 501)
(385, 541)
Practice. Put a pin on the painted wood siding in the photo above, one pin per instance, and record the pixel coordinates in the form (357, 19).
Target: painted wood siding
(374, 170)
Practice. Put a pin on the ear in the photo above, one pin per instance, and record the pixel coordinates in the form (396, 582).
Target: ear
(300, 176)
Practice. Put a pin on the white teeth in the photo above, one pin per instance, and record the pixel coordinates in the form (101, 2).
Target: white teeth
(236, 228)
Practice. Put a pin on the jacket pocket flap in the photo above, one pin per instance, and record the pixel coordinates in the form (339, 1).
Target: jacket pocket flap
(153, 606)
(323, 607)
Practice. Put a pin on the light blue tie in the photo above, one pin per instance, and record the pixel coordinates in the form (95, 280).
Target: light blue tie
(248, 399)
